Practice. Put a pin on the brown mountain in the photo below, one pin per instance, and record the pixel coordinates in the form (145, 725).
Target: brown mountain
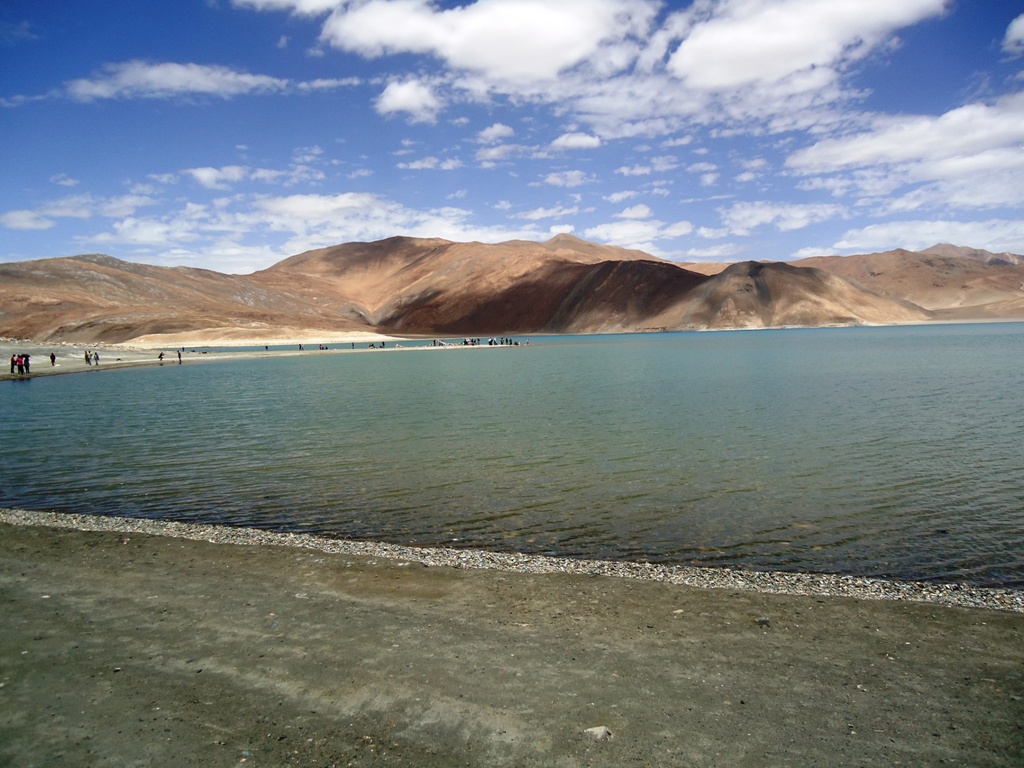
(100, 298)
(765, 295)
(423, 287)
(987, 257)
(957, 283)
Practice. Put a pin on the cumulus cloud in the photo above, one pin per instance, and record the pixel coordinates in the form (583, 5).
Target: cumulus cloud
(46, 215)
(26, 220)
(505, 40)
(970, 156)
(642, 234)
(218, 178)
(229, 175)
(737, 43)
(640, 211)
(495, 133)
(576, 141)
(413, 97)
(1013, 42)
(430, 164)
(566, 179)
(743, 218)
(231, 234)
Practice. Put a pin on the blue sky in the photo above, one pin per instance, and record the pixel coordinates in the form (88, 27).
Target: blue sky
(229, 134)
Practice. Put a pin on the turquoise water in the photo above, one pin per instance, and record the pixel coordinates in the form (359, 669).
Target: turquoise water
(875, 451)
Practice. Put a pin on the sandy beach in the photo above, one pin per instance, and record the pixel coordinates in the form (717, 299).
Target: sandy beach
(70, 357)
(206, 646)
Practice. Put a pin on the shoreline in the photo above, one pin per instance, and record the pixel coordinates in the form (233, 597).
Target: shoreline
(70, 355)
(125, 647)
(143, 351)
(709, 577)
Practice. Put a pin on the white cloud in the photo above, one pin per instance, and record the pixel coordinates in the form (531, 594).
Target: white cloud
(232, 233)
(567, 179)
(664, 163)
(640, 211)
(635, 170)
(642, 234)
(972, 156)
(227, 176)
(64, 180)
(218, 178)
(743, 218)
(557, 212)
(1013, 42)
(576, 141)
(997, 235)
(328, 84)
(412, 96)
(495, 133)
(139, 79)
(488, 156)
(431, 163)
(726, 251)
(710, 233)
(618, 197)
(299, 7)
(74, 207)
(504, 40)
(26, 220)
(738, 43)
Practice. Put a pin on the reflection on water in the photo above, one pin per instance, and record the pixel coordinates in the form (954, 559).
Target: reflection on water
(871, 451)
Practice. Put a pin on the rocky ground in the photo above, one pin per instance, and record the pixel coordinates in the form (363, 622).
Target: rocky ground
(198, 648)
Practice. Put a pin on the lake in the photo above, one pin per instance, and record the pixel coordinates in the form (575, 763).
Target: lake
(890, 451)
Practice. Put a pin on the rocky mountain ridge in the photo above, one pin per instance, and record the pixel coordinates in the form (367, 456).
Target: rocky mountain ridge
(434, 287)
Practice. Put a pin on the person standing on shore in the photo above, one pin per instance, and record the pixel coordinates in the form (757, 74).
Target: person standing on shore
(179, 357)
(96, 358)
(27, 369)
(53, 359)
(14, 362)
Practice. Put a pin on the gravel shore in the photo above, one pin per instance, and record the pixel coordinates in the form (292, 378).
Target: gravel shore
(773, 582)
(137, 643)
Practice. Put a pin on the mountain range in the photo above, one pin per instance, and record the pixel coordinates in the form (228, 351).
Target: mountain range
(433, 287)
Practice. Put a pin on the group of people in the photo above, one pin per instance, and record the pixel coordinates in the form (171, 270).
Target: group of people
(92, 358)
(22, 363)
(500, 342)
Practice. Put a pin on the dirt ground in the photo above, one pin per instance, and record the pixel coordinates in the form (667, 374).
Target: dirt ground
(136, 650)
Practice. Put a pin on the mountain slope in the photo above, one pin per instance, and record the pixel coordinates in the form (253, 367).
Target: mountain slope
(952, 283)
(757, 295)
(100, 298)
(425, 287)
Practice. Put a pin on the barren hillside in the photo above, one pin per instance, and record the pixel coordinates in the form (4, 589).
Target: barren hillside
(412, 286)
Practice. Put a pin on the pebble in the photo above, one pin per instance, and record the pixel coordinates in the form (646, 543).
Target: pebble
(774, 582)
(599, 733)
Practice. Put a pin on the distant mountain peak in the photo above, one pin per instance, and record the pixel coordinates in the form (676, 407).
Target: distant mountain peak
(948, 250)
